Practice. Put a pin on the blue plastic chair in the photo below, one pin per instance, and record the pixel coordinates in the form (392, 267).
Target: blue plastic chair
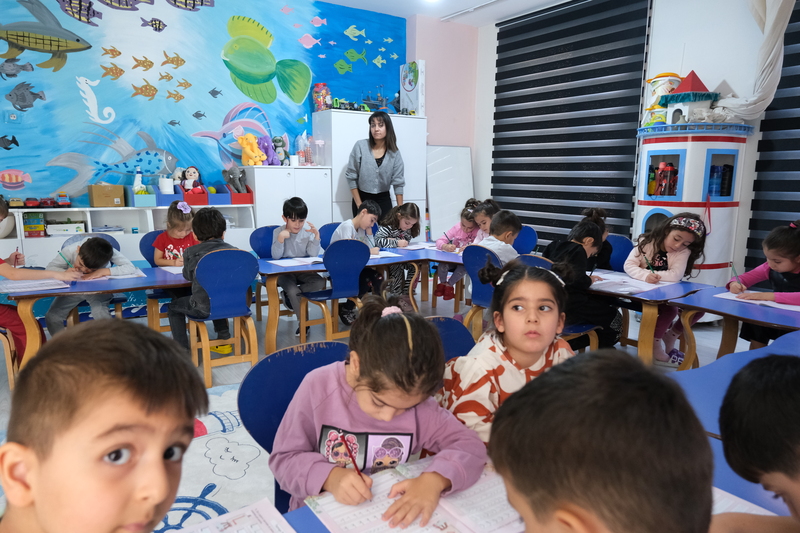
(326, 232)
(261, 243)
(268, 388)
(226, 276)
(155, 312)
(526, 240)
(620, 249)
(535, 261)
(456, 338)
(117, 300)
(344, 260)
(474, 258)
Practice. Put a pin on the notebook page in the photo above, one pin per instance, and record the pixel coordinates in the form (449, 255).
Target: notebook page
(725, 502)
(261, 517)
(173, 270)
(30, 285)
(366, 517)
(484, 506)
(766, 303)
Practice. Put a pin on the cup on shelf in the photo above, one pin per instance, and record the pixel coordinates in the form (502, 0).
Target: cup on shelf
(294, 160)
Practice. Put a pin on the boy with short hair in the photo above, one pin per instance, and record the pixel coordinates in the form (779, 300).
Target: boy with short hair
(100, 420)
(94, 257)
(360, 228)
(599, 443)
(760, 431)
(209, 228)
(503, 230)
(291, 240)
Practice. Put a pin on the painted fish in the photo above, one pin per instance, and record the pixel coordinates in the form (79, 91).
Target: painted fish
(352, 32)
(125, 5)
(146, 90)
(165, 76)
(321, 56)
(174, 122)
(152, 160)
(9, 68)
(80, 10)
(354, 56)
(343, 66)
(393, 55)
(308, 41)
(90, 99)
(367, 42)
(381, 49)
(332, 43)
(45, 35)
(114, 71)
(316, 21)
(199, 115)
(214, 92)
(176, 61)
(388, 40)
(184, 84)
(145, 63)
(175, 96)
(22, 98)
(5, 142)
(113, 52)
(297, 25)
(157, 24)
(303, 119)
(379, 61)
(286, 10)
(13, 180)
(191, 5)
(243, 118)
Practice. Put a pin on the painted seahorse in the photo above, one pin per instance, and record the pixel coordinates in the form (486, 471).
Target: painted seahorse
(90, 100)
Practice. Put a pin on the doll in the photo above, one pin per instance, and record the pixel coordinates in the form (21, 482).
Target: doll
(190, 181)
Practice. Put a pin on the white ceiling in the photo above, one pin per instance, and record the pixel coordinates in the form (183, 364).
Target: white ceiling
(494, 10)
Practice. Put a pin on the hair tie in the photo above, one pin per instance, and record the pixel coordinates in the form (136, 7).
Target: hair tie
(561, 281)
(390, 310)
(502, 277)
(184, 207)
(792, 225)
(410, 341)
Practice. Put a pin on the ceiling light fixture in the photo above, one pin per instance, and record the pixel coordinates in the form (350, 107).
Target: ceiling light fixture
(468, 10)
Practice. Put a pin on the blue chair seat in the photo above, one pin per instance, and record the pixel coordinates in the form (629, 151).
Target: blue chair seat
(456, 338)
(475, 258)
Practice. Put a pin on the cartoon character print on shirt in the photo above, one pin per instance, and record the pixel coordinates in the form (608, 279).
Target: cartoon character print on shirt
(659, 261)
(171, 253)
(388, 455)
(337, 452)
(372, 452)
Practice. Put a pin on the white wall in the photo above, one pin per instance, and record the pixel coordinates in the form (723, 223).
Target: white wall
(484, 111)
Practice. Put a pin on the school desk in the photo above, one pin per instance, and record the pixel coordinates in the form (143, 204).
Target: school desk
(650, 300)
(154, 278)
(303, 520)
(732, 312)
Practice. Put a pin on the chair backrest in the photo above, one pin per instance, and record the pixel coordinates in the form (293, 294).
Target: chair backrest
(326, 232)
(80, 236)
(268, 388)
(146, 246)
(344, 260)
(474, 258)
(536, 261)
(620, 249)
(226, 275)
(456, 338)
(261, 241)
(526, 240)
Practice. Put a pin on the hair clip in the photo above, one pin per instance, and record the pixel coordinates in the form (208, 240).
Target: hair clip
(561, 281)
(390, 310)
(792, 225)
(502, 277)
(184, 207)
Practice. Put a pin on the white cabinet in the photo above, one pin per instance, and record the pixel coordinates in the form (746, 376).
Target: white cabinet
(272, 185)
(342, 129)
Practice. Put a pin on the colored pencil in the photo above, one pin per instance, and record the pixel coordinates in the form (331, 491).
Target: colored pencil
(15, 258)
(65, 259)
(350, 453)
(449, 240)
(735, 275)
(649, 265)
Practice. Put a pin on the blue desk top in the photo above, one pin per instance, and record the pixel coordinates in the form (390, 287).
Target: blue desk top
(659, 294)
(757, 314)
(267, 268)
(304, 520)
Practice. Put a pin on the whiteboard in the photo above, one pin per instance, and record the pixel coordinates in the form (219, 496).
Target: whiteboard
(449, 185)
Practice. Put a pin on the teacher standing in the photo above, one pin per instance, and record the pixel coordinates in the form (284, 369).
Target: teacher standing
(375, 165)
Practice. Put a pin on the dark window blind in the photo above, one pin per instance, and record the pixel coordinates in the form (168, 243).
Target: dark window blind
(567, 104)
(777, 185)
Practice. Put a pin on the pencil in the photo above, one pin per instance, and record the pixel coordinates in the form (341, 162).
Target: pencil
(15, 258)
(350, 453)
(735, 275)
(449, 240)
(649, 265)
(65, 259)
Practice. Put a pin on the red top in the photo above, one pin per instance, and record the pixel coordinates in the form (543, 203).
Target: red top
(173, 248)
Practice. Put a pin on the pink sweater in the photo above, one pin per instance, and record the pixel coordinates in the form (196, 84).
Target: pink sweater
(325, 407)
(636, 266)
(761, 273)
(457, 236)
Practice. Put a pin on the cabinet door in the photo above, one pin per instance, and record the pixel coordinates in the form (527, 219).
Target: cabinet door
(313, 185)
(271, 186)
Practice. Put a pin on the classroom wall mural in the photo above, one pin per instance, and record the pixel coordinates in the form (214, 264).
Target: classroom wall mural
(93, 89)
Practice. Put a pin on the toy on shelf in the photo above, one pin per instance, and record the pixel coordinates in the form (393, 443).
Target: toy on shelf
(235, 176)
(281, 143)
(62, 199)
(251, 154)
(31, 202)
(48, 201)
(190, 181)
(138, 186)
(266, 146)
(15, 202)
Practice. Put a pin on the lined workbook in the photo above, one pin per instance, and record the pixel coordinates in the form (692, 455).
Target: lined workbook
(764, 303)
(30, 285)
(261, 517)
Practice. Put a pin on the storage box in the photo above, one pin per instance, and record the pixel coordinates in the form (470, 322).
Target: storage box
(109, 230)
(107, 195)
(165, 199)
(33, 227)
(239, 198)
(32, 234)
(140, 200)
(221, 197)
(26, 216)
(194, 199)
(66, 228)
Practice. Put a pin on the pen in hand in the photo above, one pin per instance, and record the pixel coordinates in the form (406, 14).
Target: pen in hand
(350, 453)
(15, 257)
(649, 266)
(735, 275)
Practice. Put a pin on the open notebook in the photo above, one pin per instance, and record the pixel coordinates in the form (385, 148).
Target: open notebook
(622, 283)
(261, 517)
(764, 303)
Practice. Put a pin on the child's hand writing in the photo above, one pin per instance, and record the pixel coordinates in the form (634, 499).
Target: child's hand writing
(652, 278)
(69, 275)
(348, 487)
(374, 251)
(179, 262)
(313, 229)
(449, 247)
(596, 278)
(737, 288)
(16, 258)
(420, 496)
(402, 243)
(768, 296)
(282, 236)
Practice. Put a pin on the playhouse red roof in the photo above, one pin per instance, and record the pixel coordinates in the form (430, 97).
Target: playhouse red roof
(691, 84)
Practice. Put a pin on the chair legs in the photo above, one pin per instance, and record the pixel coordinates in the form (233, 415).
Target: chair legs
(244, 331)
(12, 367)
(330, 318)
(475, 317)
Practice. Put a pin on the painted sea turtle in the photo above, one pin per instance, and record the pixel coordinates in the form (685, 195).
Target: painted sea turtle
(253, 66)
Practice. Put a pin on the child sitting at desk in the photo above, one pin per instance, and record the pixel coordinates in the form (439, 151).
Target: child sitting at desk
(600, 443)
(100, 421)
(668, 253)
(454, 240)
(760, 432)
(602, 259)
(93, 257)
(782, 269)
(483, 214)
(398, 227)
(291, 240)
(344, 413)
(209, 227)
(170, 244)
(360, 228)
(503, 231)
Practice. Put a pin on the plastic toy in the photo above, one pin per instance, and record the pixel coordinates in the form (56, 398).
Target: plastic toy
(62, 199)
(235, 176)
(15, 202)
(31, 202)
(190, 181)
(48, 201)
(251, 154)
(281, 143)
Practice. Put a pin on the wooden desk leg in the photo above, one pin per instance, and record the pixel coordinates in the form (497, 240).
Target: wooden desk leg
(425, 269)
(273, 314)
(690, 357)
(32, 331)
(415, 267)
(730, 331)
(647, 330)
(153, 312)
